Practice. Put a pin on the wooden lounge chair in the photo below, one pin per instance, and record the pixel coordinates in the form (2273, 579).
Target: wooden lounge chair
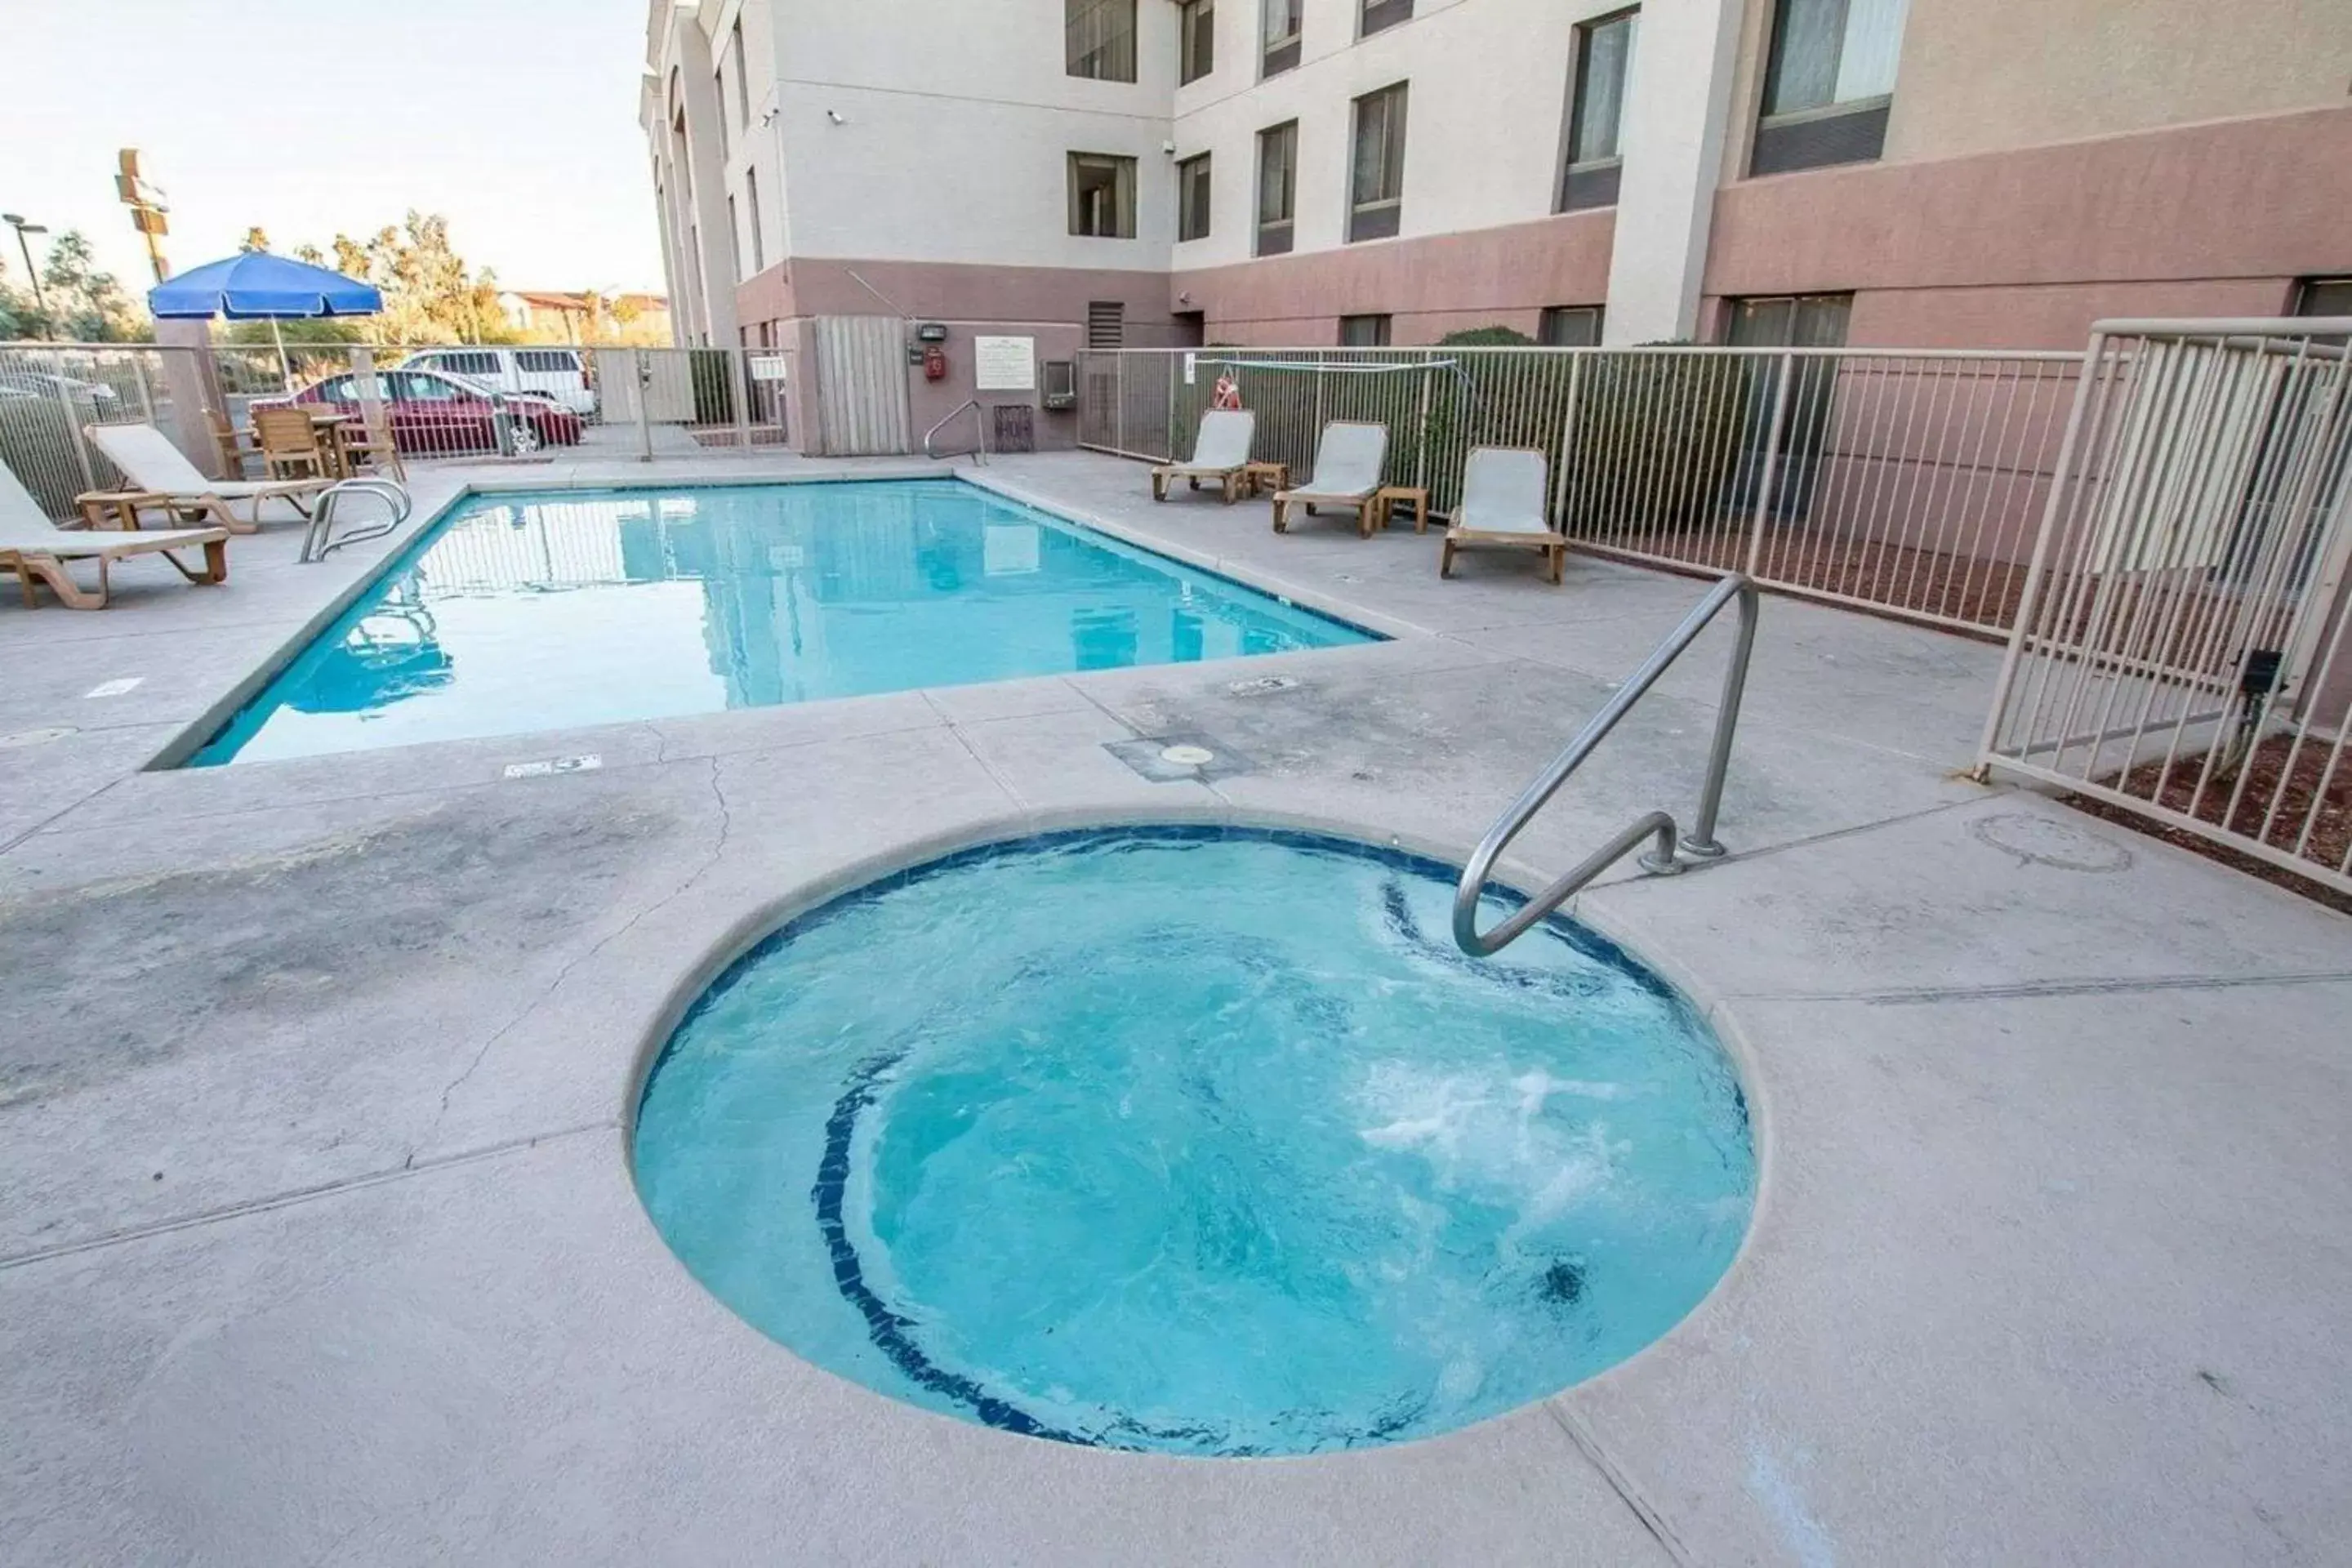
(37, 550)
(152, 464)
(1221, 451)
(1348, 463)
(1502, 491)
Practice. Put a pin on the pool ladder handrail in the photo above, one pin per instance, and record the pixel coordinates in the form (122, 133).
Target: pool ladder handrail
(978, 449)
(319, 540)
(1661, 858)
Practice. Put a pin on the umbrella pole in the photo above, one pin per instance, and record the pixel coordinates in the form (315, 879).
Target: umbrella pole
(285, 370)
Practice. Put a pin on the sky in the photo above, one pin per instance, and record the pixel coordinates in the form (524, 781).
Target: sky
(515, 119)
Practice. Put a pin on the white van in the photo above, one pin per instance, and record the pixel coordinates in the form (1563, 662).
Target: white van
(560, 375)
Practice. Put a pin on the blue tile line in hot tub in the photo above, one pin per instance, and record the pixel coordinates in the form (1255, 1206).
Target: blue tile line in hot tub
(541, 611)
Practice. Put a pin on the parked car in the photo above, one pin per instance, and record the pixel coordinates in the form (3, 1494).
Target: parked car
(433, 414)
(559, 374)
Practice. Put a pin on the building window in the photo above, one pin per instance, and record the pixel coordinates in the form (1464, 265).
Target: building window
(1098, 38)
(1829, 83)
(1376, 186)
(1284, 20)
(1102, 195)
(1570, 327)
(1379, 14)
(2323, 297)
(742, 83)
(718, 89)
(1789, 321)
(759, 236)
(1192, 198)
(735, 230)
(1196, 32)
(1277, 187)
(1106, 323)
(1363, 332)
(1596, 111)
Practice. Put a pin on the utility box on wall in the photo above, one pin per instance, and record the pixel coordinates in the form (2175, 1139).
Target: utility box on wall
(1059, 381)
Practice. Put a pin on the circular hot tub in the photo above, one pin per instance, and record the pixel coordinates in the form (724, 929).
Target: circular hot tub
(1196, 1140)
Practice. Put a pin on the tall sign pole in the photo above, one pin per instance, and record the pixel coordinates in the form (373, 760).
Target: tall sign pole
(147, 211)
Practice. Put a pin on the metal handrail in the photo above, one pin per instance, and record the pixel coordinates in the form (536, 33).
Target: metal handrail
(319, 540)
(979, 432)
(1661, 859)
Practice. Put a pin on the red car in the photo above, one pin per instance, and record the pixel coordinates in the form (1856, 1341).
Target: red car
(433, 413)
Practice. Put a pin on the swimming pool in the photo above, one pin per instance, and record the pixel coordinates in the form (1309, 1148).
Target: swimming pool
(1202, 1141)
(554, 610)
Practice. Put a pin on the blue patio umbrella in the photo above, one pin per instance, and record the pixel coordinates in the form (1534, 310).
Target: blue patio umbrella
(256, 286)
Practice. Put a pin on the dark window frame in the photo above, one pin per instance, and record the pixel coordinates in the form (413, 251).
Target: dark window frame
(759, 238)
(1555, 316)
(1587, 182)
(1816, 135)
(1193, 216)
(742, 79)
(1379, 16)
(1381, 216)
(1196, 40)
(1276, 236)
(1123, 181)
(1103, 61)
(1277, 54)
(1378, 325)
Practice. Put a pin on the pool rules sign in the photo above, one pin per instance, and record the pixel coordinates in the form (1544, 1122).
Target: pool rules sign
(1004, 364)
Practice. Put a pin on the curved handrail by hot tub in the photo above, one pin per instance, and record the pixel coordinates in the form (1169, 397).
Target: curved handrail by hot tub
(319, 540)
(1659, 825)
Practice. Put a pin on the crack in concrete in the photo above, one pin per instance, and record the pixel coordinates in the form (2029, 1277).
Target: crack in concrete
(1621, 1484)
(1928, 994)
(710, 861)
(292, 1196)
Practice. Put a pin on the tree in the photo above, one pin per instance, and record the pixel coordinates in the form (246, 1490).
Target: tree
(430, 295)
(256, 238)
(85, 304)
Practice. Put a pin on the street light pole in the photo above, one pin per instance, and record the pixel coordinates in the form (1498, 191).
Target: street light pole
(16, 222)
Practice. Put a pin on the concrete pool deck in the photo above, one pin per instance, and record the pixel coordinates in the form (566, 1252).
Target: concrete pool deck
(319, 1243)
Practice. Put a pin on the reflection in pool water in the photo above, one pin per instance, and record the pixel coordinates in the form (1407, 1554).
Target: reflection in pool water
(540, 612)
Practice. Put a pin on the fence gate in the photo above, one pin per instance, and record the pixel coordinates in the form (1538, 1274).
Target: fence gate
(2184, 650)
(861, 387)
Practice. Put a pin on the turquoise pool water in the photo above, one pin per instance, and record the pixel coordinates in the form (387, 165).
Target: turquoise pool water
(1197, 1140)
(549, 611)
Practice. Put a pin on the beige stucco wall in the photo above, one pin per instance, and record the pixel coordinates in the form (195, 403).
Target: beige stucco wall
(1981, 75)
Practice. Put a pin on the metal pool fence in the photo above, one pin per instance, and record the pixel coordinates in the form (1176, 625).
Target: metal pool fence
(1903, 481)
(50, 392)
(471, 401)
(2184, 651)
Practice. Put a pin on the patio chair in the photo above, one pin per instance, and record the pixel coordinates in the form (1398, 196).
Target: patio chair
(289, 444)
(371, 448)
(1502, 491)
(236, 447)
(37, 550)
(1348, 464)
(152, 464)
(1221, 451)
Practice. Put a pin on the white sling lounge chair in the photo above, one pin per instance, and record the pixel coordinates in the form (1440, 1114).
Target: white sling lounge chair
(1220, 452)
(1347, 474)
(1503, 503)
(37, 550)
(152, 464)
